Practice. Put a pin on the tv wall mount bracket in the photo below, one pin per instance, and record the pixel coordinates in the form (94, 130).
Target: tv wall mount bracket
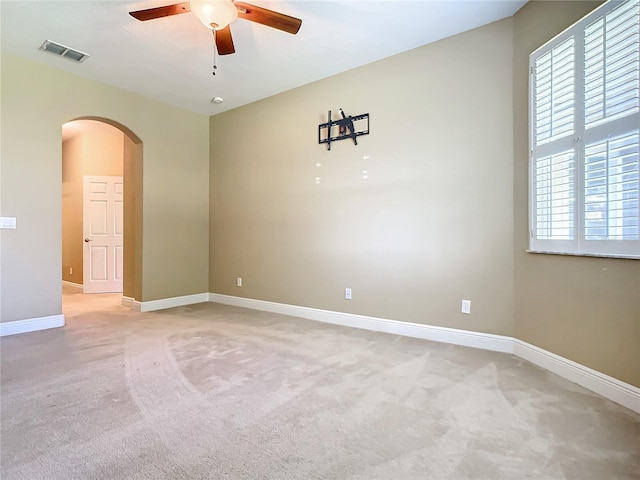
(345, 127)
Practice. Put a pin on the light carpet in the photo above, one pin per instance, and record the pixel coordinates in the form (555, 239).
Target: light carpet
(212, 391)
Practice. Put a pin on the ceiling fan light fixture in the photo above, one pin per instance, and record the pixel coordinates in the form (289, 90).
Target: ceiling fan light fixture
(214, 14)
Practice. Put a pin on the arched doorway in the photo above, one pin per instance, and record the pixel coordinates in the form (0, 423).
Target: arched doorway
(100, 146)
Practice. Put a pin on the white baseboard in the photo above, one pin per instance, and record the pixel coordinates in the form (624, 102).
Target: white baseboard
(169, 302)
(130, 302)
(74, 285)
(31, 325)
(615, 390)
(485, 341)
(620, 392)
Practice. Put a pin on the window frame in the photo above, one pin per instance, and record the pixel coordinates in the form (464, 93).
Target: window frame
(575, 142)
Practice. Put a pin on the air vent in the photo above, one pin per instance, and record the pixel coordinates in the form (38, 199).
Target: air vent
(62, 51)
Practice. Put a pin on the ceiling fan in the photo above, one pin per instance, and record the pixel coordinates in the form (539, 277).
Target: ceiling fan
(217, 15)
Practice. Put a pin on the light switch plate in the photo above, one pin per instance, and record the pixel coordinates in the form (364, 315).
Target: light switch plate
(8, 222)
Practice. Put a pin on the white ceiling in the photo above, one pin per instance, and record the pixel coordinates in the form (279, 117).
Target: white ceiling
(170, 59)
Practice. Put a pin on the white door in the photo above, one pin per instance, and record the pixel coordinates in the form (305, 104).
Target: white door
(103, 234)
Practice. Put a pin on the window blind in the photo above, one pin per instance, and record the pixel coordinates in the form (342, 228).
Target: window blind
(554, 93)
(611, 189)
(584, 136)
(554, 196)
(611, 65)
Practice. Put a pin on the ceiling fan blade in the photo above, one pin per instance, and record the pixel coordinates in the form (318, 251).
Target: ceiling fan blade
(224, 41)
(268, 17)
(159, 12)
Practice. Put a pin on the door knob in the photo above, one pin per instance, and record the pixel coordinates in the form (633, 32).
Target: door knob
(87, 240)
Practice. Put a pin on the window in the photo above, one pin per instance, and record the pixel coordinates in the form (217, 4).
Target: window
(584, 92)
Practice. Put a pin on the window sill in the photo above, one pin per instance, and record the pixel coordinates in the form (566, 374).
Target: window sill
(568, 254)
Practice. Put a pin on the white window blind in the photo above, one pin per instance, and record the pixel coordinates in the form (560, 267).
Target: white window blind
(611, 189)
(554, 195)
(584, 136)
(554, 99)
(611, 65)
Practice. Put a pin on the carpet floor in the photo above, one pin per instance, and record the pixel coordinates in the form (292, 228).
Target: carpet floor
(211, 391)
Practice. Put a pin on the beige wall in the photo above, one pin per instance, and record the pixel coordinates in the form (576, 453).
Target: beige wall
(584, 309)
(442, 215)
(132, 172)
(433, 222)
(95, 153)
(72, 167)
(35, 102)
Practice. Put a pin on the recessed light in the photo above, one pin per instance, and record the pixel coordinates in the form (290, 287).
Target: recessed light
(217, 100)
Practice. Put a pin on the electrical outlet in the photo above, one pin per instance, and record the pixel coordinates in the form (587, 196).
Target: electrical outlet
(70, 270)
(239, 282)
(347, 293)
(466, 306)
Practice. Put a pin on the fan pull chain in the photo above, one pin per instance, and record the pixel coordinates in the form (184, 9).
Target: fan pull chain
(215, 67)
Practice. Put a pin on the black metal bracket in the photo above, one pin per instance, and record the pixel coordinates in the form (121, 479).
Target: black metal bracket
(346, 128)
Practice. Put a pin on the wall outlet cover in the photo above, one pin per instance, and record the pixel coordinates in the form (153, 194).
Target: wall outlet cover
(465, 306)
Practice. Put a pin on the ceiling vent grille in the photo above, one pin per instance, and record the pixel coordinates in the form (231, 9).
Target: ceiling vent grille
(62, 51)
